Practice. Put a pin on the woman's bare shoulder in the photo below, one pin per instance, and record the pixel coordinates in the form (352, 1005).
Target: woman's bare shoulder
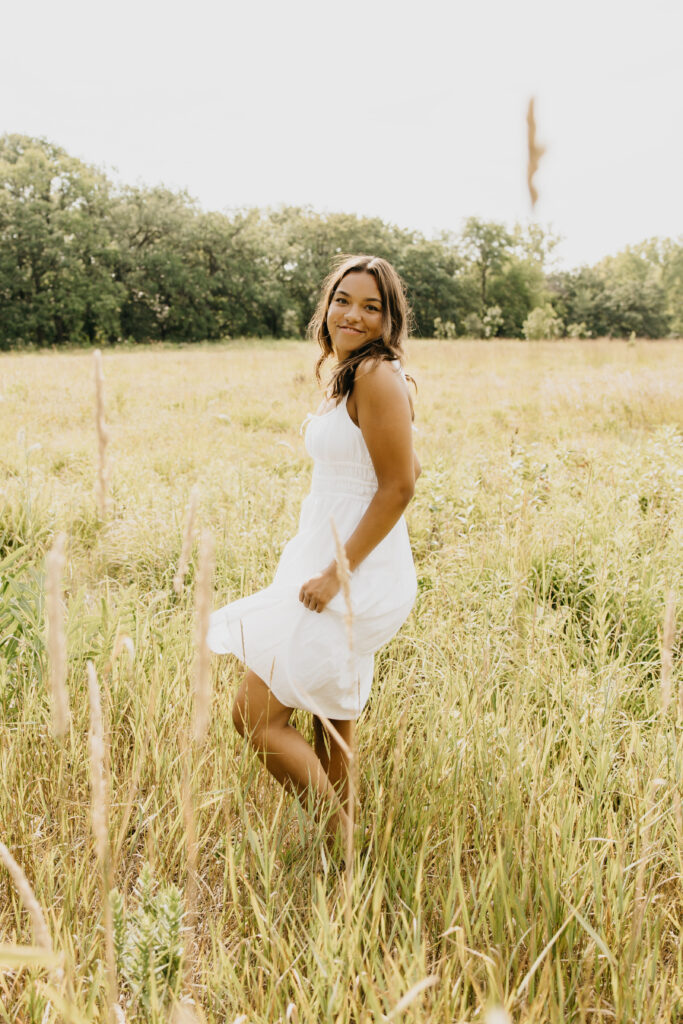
(365, 367)
(377, 370)
(379, 383)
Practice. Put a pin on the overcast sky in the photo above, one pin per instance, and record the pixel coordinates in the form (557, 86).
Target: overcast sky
(413, 112)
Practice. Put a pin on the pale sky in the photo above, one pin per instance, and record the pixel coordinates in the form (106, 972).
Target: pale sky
(413, 112)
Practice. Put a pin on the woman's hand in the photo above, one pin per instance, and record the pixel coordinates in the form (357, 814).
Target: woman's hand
(320, 589)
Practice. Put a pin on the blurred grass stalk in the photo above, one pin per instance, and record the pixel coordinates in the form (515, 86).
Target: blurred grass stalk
(103, 469)
(100, 783)
(188, 534)
(344, 577)
(56, 639)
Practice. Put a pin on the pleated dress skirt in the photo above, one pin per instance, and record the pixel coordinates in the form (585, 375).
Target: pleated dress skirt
(307, 658)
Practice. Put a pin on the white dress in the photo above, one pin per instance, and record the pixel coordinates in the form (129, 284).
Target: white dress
(304, 656)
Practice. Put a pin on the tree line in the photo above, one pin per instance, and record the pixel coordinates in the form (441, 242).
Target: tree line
(83, 261)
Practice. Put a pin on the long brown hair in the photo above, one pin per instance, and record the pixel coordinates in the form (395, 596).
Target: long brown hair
(396, 321)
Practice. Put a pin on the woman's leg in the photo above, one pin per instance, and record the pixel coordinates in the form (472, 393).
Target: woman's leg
(260, 716)
(332, 757)
(321, 742)
(339, 772)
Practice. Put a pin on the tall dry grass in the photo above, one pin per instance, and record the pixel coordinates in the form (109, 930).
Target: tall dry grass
(344, 577)
(183, 562)
(100, 787)
(56, 643)
(519, 836)
(41, 932)
(103, 467)
(202, 666)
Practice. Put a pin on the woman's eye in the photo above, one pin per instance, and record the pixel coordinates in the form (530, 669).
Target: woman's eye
(341, 299)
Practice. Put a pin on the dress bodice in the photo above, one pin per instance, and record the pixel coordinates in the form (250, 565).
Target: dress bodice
(341, 460)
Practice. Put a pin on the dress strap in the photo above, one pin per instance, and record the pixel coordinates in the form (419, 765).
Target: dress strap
(304, 423)
(397, 366)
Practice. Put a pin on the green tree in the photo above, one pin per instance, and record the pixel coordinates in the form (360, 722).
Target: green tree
(232, 257)
(582, 297)
(57, 257)
(444, 330)
(488, 246)
(535, 243)
(473, 326)
(157, 265)
(432, 271)
(635, 299)
(672, 282)
(542, 323)
(518, 287)
(623, 294)
(191, 275)
(81, 261)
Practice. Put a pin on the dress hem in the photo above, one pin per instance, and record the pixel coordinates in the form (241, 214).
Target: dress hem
(333, 716)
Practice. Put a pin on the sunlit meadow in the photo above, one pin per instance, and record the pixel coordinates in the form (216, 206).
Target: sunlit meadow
(519, 840)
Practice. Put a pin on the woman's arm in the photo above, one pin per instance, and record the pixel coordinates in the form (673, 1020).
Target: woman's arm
(384, 417)
(383, 413)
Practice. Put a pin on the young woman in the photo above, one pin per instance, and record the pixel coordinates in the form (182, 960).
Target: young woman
(293, 637)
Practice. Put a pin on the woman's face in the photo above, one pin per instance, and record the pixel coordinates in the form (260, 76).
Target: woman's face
(354, 316)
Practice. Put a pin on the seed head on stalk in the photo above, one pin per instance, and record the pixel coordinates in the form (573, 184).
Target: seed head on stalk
(536, 151)
(179, 577)
(28, 898)
(184, 1013)
(102, 437)
(202, 666)
(667, 650)
(99, 783)
(98, 787)
(189, 821)
(344, 577)
(497, 1015)
(123, 642)
(56, 639)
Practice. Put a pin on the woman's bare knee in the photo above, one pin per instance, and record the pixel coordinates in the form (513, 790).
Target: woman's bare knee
(256, 712)
(249, 725)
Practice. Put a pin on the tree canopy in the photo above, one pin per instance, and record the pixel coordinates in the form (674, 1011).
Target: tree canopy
(82, 262)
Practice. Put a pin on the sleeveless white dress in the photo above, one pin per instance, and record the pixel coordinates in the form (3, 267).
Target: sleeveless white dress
(304, 656)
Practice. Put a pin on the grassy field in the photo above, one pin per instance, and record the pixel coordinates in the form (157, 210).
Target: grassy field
(520, 836)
